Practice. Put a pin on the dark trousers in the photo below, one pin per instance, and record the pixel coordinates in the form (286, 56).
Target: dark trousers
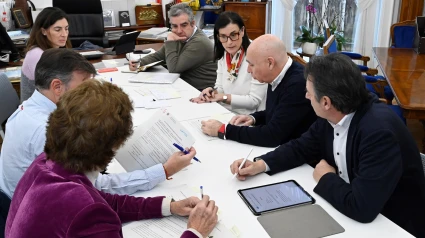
(4, 210)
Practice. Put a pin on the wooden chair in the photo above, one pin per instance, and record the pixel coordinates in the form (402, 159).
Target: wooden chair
(379, 86)
(330, 47)
(352, 55)
(297, 58)
(403, 34)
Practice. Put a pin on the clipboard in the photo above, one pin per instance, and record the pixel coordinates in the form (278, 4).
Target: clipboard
(308, 221)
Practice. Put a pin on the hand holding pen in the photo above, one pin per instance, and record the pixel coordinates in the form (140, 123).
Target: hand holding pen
(178, 161)
(185, 151)
(242, 164)
(206, 95)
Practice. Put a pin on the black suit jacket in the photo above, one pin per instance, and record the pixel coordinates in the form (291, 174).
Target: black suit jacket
(383, 164)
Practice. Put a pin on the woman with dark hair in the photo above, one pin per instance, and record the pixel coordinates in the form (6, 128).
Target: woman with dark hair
(234, 88)
(56, 196)
(50, 30)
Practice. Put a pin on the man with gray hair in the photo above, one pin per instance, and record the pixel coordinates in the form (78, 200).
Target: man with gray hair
(187, 50)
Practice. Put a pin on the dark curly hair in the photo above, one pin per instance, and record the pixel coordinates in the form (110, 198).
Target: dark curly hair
(90, 123)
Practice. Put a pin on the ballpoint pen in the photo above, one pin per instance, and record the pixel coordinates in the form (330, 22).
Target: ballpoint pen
(202, 191)
(243, 162)
(185, 152)
(110, 79)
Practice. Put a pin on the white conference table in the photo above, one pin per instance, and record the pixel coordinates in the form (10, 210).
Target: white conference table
(215, 177)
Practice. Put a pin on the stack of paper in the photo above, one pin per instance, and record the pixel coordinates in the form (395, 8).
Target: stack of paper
(154, 32)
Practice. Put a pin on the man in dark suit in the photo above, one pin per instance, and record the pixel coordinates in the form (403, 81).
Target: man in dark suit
(370, 163)
(287, 115)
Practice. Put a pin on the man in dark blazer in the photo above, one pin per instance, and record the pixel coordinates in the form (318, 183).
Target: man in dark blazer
(370, 163)
(288, 113)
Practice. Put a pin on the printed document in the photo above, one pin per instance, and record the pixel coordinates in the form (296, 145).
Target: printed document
(172, 226)
(152, 142)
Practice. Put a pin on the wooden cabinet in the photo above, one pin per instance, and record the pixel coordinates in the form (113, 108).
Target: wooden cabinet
(410, 9)
(253, 15)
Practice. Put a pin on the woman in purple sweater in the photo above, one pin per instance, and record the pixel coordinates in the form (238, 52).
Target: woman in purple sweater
(56, 196)
(50, 30)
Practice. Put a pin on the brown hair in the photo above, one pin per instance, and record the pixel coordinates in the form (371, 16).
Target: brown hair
(47, 17)
(89, 124)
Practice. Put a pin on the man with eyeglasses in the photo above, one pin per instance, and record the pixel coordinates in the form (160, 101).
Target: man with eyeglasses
(187, 50)
(288, 113)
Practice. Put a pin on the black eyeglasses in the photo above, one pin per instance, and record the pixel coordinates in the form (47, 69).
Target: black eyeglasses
(233, 36)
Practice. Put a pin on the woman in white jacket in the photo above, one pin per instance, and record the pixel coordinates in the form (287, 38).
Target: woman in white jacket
(234, 88)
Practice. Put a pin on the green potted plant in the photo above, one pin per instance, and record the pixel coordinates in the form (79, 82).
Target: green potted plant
(309, 40)
(339, 37)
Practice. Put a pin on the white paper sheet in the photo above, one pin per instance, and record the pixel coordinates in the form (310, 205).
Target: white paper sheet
(172, 226)
(168, 227)
(154, 77)
(193, 110)
(165, 93)
(195, 124)
(152, 142)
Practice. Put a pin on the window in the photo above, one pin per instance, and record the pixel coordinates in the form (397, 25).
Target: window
(339, 13)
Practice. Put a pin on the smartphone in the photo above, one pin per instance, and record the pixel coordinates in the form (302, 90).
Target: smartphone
(275, 196)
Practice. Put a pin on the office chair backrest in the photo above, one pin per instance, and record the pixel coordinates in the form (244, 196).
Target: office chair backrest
(85, 21)
(8, 97)
(79, 6)
(403, 34)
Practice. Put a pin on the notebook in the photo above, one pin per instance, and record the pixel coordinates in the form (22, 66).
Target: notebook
(157, 78)
(143, 68)
(307, 221)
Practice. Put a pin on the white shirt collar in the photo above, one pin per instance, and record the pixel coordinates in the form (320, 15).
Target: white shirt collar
(345, 121)
(194, 31)
(279, 78)
(92, 176)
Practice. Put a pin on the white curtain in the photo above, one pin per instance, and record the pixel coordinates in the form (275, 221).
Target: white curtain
(282, 21)
(361, 32)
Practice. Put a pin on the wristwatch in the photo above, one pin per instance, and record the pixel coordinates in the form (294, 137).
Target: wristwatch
(224, 99)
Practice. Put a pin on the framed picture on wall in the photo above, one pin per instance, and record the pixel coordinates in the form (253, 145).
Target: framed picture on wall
(124, 18)
(108, 18)
(21, 18)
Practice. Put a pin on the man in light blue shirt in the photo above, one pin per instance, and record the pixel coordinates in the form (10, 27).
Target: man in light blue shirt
(58, 71)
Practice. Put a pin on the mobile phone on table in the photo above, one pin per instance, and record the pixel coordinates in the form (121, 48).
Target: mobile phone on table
(275, 196)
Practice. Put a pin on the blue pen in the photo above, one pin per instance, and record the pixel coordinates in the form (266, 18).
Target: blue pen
(111, 79)
(202, 191)
(185, 152)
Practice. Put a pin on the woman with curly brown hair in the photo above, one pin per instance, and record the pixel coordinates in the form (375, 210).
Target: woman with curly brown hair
(56, 196)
